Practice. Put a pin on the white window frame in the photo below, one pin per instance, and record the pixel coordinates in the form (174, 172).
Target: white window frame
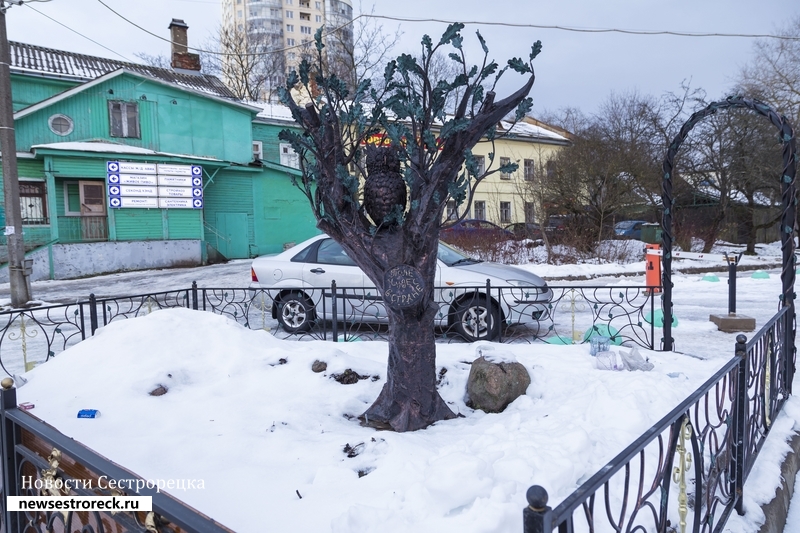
(505, 214)
(529, 169)
(505, 161)
(258, 150)
(57, 116)
(288, 157)
(479, 209)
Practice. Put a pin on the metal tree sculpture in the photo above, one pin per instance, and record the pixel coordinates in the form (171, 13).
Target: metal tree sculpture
(396, 245)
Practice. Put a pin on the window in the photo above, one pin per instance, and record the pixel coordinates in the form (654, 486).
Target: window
(479, 209)
(291, 56)
(481, 161)
(318, 18)
(530, 169)
(289, 2)
(253, 12)
(60, 124)
(305, 29)
(331, 253)
(318, 5)
(290, 42)
(33, 202)
(305, 3)
(305, 16)
(123, 119)
(240, 13)
(550, 167)
(530, 213)
(258, 150)
(505, 175)
(289, 14)
(289, 157)
(452, 212)
(505, 212)
(290, 27)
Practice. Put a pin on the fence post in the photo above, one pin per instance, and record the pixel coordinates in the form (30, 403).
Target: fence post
(732, 262)
(8, 400)
(333, 311)
(739, 424)
(194, 295)
(93, 313)
(536, 516)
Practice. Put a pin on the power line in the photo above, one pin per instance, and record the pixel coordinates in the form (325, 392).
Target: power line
(75, 31)
(270, 52)
(593, 30)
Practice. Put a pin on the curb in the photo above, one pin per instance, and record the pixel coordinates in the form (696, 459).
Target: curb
(777, 510)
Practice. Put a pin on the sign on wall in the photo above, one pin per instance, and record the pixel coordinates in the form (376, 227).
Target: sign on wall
(154, 185)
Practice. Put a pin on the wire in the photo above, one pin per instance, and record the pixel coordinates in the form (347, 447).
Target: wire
(271, 52)
(594, 30)
(75, 31)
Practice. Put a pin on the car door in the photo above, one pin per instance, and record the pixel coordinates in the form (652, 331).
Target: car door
(329, 264)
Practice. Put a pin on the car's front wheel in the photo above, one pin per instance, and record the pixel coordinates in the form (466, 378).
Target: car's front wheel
(476, 319)
(295, 313)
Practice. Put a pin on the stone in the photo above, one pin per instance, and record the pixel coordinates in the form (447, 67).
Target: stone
(319, 366)
(733, 323)
(491, 387)
(161, 390)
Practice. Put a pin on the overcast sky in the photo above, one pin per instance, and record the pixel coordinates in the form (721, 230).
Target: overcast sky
(575, 69)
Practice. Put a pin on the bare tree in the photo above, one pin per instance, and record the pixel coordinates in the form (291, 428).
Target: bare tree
(249, 61)
(392, 231)
(361, 50)
(774, 74)
(160, 60)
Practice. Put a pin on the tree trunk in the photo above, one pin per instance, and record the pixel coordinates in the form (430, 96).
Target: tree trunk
(409, 399)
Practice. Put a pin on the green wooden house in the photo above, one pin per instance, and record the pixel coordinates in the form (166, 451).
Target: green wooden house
(124, 166)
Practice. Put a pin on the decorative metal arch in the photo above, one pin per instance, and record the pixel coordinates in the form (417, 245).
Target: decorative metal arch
(789, 203)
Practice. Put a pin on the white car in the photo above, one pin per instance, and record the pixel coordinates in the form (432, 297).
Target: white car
(299, 283)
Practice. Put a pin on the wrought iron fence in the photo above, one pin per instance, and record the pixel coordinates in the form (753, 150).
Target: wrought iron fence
(687, 472)
(37, 460)
(510, 314)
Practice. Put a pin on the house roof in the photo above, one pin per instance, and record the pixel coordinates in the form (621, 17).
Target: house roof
(32, 59)
(80, 88)
(527, 129)
(114, 148)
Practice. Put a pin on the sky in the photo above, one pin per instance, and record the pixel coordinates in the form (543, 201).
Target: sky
(469, 474)
(575, 69)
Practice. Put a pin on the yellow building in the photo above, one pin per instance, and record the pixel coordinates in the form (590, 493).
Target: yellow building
(506, 198)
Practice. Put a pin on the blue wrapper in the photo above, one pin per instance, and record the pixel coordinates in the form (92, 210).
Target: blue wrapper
(88, 413)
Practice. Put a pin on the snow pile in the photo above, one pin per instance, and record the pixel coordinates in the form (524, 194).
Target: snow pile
(244, 412)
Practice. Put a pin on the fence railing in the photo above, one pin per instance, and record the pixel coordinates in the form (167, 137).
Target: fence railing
(512, 314)
(39, 460)
(687, 472)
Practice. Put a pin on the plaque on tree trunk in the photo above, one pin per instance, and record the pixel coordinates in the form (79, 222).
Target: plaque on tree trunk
(402, 287)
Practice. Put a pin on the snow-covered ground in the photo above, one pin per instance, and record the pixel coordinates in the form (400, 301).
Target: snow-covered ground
(273, 440)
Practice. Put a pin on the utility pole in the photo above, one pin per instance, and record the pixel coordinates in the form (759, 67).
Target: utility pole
(20, 295)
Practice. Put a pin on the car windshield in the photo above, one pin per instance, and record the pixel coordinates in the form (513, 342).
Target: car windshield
(450, 256)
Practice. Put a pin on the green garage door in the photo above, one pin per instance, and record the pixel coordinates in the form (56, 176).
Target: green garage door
(232, 240)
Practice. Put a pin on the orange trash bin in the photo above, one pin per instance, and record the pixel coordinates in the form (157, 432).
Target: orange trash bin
(652, 265)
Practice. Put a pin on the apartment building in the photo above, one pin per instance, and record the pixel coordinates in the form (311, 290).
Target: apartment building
(289, 24)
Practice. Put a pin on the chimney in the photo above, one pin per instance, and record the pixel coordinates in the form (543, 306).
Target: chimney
(181, 58)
